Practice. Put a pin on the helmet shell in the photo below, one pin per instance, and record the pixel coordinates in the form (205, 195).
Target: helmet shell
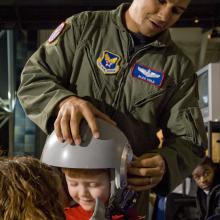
(110, 150)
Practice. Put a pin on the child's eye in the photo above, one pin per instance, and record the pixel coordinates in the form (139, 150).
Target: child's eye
(196, 177)
(93, 184)
(207, 173)
(162, 1)
(73, 184)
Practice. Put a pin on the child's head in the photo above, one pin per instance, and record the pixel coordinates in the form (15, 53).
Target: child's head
(29, 190)
(110, 151)
(85, 185)
(96, 166)
(204, 174)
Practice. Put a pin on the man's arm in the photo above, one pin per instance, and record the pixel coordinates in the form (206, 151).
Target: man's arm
(184, 134)
(45, 77)
(184, 141)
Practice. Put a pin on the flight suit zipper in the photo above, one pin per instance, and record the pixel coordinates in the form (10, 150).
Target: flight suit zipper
(119, 93)
(94, 70)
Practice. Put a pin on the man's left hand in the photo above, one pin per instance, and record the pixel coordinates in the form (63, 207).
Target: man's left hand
(146, 171)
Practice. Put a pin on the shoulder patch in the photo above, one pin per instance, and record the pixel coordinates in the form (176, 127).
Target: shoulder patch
(57, 32)
(148, 74)
(108, 62)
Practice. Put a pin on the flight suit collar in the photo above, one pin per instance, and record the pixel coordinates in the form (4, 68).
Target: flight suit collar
(163, 39)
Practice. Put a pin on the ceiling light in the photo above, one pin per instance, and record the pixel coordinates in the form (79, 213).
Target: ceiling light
(196, 20)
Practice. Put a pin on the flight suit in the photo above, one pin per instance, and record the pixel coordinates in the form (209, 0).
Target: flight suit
(91, 55)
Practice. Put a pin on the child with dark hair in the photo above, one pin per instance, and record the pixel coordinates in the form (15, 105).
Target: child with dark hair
(207, 178)
(29, 190)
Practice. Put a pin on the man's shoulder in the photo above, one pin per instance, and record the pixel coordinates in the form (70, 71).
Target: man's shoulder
(175, 48)
(99, 15)
(85, 15)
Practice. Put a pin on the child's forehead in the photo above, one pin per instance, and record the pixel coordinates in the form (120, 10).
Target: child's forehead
(201, 168)
(72, 172)
(88, 177)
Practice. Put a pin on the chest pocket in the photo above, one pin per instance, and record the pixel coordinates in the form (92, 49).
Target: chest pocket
(85, 75)
(95, 82)
(144, 93)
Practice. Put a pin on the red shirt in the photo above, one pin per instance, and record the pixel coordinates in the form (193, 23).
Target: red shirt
(78, 213)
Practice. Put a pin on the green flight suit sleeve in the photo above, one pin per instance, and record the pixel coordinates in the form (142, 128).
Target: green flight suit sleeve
(45, 79)
(184, 133)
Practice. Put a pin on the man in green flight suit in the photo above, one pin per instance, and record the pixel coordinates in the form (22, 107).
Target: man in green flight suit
(123, 67)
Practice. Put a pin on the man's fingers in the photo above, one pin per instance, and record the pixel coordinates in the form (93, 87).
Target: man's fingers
(148, 155)
(74, 127)
(140, 184)
(65, 128)
(140, 181)
(150, 162)
(145, 172)
(144, 162)
(90, 113)
(140, 188)
(57, 128)
(147, 162)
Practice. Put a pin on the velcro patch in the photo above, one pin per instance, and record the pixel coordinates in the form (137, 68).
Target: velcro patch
(56, 33)
(108, 62)
(147, 74)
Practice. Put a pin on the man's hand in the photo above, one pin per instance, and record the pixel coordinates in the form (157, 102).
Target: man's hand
(70, 113)
(147, 171)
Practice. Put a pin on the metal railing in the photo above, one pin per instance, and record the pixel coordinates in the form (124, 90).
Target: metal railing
(7, 106)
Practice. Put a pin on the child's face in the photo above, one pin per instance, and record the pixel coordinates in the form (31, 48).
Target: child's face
(84, 190)
(204, 175)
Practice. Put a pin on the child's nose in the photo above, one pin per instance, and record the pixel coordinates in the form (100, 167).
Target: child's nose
(83, 191)
(203, 179)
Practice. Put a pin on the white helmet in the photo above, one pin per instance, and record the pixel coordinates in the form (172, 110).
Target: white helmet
(111, 150)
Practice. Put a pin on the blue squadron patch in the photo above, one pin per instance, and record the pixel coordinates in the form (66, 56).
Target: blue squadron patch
(147, 74)
(56, 32)
(108, 62)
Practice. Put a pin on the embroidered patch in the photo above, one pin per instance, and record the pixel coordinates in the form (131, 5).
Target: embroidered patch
(56, 32)
(108, 62)
(147, 74)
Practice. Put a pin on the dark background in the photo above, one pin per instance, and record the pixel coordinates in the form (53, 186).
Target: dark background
(38, 14)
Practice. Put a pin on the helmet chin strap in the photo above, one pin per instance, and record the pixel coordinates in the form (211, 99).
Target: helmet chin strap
(100, 211)
(119, 175)
(112, 182)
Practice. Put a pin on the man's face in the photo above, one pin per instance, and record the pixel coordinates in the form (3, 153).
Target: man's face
(204, 176)
(85, 190)
(150, 17)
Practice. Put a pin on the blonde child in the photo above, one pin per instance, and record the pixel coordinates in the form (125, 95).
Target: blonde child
(29, 190)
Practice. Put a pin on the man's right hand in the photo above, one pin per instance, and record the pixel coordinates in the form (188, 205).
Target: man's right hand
(70, 113)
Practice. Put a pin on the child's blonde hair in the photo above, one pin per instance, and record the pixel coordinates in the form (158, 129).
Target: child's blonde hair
(29, 190)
